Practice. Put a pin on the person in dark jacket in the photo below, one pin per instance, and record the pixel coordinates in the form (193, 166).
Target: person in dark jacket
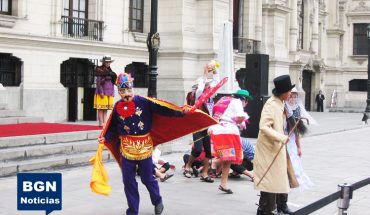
(320, 101)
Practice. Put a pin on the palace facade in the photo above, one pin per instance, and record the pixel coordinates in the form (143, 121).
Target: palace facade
(48, 49)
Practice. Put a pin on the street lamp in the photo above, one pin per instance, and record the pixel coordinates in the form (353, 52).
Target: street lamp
(153, 42)
(367, 110)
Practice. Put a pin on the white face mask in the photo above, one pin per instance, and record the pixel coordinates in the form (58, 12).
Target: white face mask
(127, 94)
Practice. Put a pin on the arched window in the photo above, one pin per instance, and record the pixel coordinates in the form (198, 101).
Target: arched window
(10, 70)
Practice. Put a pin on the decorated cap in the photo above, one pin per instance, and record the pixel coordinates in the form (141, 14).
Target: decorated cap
(124, 80)
(107, 58)
(243, 94)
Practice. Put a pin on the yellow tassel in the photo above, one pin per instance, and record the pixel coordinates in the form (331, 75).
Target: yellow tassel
(99, 178)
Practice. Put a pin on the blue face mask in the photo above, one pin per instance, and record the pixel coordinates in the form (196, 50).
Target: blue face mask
(126, 84)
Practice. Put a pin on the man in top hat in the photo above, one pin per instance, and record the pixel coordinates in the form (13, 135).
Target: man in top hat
(137, 124)
(104, 93)
(276, 184)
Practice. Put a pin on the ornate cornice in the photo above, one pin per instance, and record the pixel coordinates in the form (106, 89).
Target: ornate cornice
(357, 15)
(140, 37)
(276, 8)
(67, 44)
(360, 59)
(361, 7)
(335, 31)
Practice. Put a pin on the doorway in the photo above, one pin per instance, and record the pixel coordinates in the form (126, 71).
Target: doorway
(77, 74)
(306, 85)
(139, 71)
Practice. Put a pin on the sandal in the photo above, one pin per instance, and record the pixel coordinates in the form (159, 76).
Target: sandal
(187, 173)
(251, 177)
(167, 176)
(206, 179)
(227, 191)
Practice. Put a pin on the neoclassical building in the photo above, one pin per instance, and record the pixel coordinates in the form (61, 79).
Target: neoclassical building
(48, 49)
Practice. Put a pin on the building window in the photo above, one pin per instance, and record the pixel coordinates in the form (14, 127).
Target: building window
(75, 8)
(6, 7)
(300, 26)
(10, 70)
(360, 39)
(136, 15)
(358, 85)
(75, 22)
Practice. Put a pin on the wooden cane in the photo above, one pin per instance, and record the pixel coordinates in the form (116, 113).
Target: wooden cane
(282, 145)
(199, 139)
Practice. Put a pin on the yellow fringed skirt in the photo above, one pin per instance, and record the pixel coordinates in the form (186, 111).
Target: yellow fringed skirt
(103, 103)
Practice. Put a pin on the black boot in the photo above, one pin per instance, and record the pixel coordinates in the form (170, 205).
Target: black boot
(158, 209)
(281, 201)
(266, 204)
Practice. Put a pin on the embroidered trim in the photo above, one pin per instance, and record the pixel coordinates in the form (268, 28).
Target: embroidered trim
(136, 147)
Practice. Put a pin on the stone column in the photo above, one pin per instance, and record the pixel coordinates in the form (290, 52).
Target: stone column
(293, 26)
(56, 15)
(258, 26)
(3, 97)
(315, 28)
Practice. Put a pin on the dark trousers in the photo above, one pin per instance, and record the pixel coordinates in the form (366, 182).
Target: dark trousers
(246, 165)
(196, 163)
(320, 107)
(131, 186)
(202, 140)
(268, 201)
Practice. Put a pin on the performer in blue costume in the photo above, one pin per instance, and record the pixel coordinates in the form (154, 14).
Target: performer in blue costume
(130, 135)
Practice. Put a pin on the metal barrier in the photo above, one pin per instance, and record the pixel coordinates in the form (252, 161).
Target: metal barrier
(82, 28)
(344, 194)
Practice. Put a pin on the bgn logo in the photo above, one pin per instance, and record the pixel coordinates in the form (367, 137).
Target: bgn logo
(39, 191)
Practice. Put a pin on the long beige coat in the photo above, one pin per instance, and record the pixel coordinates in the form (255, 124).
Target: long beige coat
(270, 137)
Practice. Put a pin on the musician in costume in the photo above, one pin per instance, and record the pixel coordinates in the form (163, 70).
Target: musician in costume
(104, 92)
(136, 125)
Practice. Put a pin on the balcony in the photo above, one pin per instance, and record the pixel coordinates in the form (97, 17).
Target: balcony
(79, 28)
(247, 46)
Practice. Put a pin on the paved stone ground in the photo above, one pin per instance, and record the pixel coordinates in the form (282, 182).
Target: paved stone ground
(335, 152)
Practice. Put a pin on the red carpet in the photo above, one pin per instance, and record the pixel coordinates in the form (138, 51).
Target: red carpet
(10, 130)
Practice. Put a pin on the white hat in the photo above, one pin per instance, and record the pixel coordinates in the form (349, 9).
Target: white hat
(107, 58)
(294, 90)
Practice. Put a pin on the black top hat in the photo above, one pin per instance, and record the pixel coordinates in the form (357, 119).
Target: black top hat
(282, 85)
